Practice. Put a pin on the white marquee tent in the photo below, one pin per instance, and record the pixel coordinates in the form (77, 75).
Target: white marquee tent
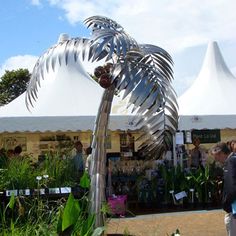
(210, 102)
(69, 100)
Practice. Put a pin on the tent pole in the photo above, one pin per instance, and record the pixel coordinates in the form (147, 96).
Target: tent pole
(174, 151)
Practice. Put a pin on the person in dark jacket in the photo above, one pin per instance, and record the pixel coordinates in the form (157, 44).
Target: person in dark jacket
(223, 154)
(78, 159)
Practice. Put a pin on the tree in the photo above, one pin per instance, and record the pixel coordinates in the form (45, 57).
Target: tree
(13, 84)
(143, 71)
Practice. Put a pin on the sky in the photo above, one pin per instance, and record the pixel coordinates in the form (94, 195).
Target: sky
(182, 27)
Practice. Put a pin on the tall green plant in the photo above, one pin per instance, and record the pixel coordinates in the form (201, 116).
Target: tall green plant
(18, 174)
(59, 169)
(174, 180)
(203, 182)
(43, 218)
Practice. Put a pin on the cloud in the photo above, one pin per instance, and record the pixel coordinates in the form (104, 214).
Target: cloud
(173, 25)
(17, 62)
(36, 2)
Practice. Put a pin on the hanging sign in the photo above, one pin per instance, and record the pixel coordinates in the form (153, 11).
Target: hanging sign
(207, 136)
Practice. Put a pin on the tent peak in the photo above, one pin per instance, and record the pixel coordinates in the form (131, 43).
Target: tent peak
(63, 37)
(214, 62)
(212, 91)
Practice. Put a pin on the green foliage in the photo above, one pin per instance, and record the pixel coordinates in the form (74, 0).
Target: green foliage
(13, 84)
(39, 216)
(59, 169)
(85, 180)
(18, 174)
(71, 213)
(203, 181)
(45, 218)
(21, 173)
(75, 219)
(12, 202)
(206, 182)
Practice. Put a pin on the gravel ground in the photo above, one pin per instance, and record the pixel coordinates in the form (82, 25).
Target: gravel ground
(189, 223)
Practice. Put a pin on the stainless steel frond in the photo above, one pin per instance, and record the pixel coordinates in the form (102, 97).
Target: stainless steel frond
(146, 74)
(57, 55)
(101, 22)
(143, 71)
(110, 36)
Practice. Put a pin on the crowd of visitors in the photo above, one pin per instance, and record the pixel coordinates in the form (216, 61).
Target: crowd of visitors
(8, 154)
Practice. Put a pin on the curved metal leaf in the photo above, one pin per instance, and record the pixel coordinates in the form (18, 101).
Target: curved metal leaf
(59, 53)
(110, 36)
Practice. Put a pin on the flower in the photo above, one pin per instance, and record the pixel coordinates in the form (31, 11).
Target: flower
(45, 176)
(39, 178)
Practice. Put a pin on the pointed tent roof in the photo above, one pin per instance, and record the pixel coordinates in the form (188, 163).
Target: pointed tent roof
(68, 99)
(211, 95)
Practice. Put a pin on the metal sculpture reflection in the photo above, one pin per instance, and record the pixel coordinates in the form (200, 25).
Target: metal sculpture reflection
(143, 71)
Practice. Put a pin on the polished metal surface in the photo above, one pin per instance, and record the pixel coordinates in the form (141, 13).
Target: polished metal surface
(143, 71)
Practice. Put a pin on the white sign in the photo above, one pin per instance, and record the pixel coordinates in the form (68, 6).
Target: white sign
(180, 195)
(66, 190)
(54, 190)
(188, 136)
(11, 192)
(179, 138)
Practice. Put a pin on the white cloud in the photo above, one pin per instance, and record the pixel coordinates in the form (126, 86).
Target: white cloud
(173, 25)
(36, 2)
(17, 62)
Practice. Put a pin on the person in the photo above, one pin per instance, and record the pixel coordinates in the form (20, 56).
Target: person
(88, 153)
(197, 155)
(232, 145)
(3, 158)
(17, 150)
(10, 153)
(78, 158)
(223, 154)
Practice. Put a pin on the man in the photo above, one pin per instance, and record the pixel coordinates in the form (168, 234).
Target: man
(17, 150)
(78, 158)
(222, 154)
(197, 155)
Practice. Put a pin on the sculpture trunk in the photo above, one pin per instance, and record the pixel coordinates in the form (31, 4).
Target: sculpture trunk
(98, 160)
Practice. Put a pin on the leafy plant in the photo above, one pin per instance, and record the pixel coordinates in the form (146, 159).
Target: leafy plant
(41, 217)
(59, 168)
(174, 180)
(18, 174)
(203, 182)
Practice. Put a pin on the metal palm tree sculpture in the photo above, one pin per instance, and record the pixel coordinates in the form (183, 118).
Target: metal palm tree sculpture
(143, 71)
